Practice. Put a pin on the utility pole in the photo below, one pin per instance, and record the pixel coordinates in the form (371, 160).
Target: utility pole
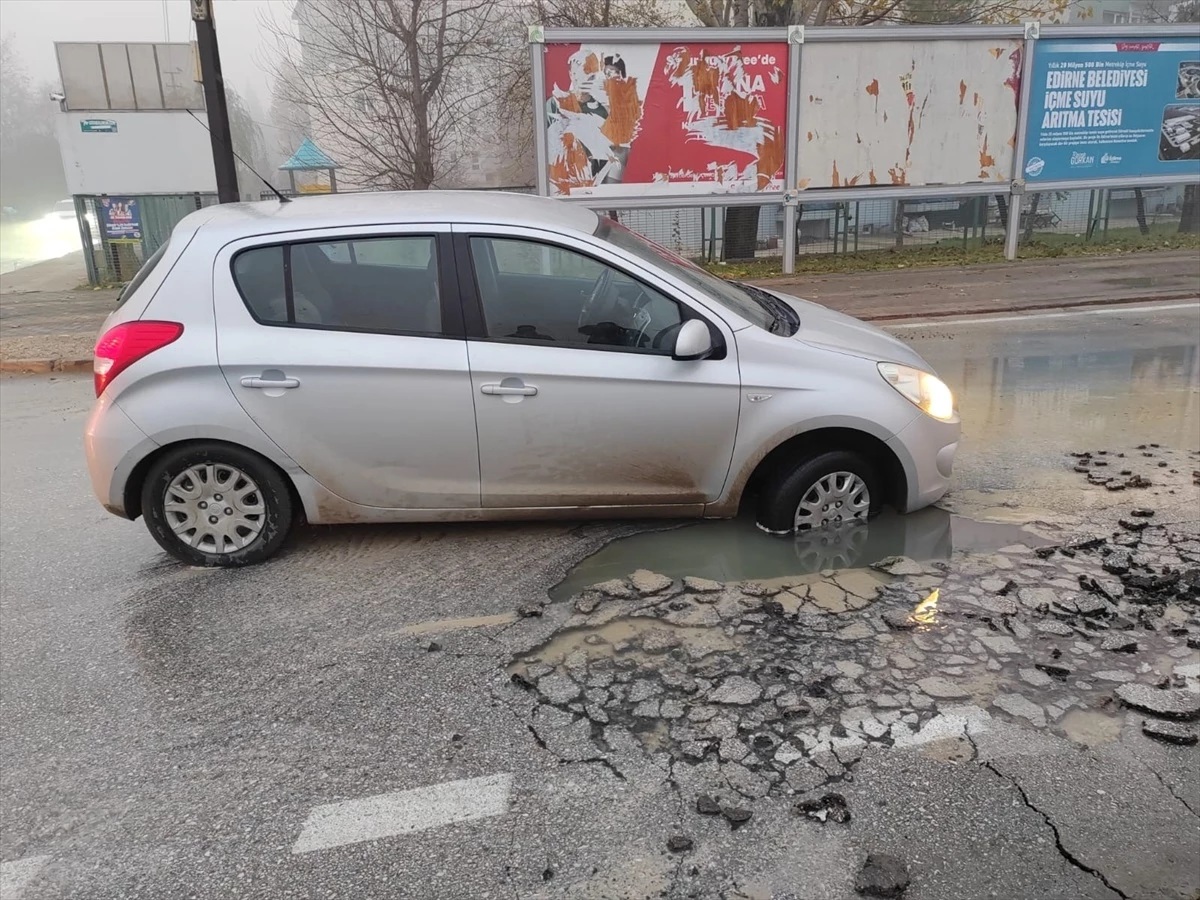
(214, 99)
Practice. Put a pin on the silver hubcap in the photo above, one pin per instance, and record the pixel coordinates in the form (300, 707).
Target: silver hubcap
(836, 498)
(214, 508)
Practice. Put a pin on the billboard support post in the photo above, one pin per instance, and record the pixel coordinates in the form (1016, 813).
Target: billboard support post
(791, 164)
(1012, 231)
(537, 47)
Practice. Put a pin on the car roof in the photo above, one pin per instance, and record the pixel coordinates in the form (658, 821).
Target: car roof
(392, 207)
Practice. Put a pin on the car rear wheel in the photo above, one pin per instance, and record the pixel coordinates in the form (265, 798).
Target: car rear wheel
(216, 505)
(829, 490)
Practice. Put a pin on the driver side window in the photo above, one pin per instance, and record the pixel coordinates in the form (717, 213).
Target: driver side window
(542, 293)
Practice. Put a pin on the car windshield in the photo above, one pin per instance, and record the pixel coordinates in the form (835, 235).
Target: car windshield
(753, 305)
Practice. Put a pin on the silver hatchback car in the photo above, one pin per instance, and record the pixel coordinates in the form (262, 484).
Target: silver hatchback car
(462, 356)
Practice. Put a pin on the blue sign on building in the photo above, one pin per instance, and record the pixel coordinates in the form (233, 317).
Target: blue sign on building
(120, 219)
(1111, 109)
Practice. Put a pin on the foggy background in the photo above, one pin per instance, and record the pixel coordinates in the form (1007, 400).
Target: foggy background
(31, 176)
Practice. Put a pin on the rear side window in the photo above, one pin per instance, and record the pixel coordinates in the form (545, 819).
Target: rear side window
(142, 274)
(385, 284)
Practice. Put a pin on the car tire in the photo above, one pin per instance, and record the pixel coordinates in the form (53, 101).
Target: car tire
(825, 480)
(217, 505)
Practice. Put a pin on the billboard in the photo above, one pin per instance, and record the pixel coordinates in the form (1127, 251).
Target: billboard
(120, 219)
(121, 153)
(908, 113)
(630, 119)
(1110, 109)
(128, 76)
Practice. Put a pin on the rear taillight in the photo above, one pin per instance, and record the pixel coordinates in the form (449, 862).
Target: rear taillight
(122, 346)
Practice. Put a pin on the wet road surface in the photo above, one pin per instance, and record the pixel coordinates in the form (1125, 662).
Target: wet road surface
(316, 727)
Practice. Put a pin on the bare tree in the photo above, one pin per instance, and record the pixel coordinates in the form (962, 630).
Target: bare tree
(248, 143)
(289, 118)
(718, 13)
(390, 86)
(517, 85)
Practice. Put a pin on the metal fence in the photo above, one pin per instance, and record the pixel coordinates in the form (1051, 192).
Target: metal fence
(1097, 216)
(116, 260)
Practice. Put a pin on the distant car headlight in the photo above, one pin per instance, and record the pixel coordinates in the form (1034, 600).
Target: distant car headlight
(927, 391)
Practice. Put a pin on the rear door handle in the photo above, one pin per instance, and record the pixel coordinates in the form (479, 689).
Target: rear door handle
(504, 390)
(256, 381)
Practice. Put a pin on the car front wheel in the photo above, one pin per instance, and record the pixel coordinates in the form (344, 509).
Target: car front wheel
(829, 490)
(216, 505)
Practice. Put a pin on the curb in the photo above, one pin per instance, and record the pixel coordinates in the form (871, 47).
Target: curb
(44, 366)
(1082, 302)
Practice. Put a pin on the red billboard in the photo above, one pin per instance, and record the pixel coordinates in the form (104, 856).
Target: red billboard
(671, 118)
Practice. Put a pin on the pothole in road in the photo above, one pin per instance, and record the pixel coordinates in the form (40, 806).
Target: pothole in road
(735, 550)
(779, 685)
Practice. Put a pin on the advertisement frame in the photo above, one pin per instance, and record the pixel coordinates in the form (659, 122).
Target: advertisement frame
(796, 37)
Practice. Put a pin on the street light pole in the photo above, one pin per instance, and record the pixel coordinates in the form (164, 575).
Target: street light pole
(214, 100)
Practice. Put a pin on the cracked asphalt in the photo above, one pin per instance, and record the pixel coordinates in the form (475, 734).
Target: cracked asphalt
(171, 732)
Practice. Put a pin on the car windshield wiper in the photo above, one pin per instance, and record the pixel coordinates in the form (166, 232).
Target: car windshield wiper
(786, 320)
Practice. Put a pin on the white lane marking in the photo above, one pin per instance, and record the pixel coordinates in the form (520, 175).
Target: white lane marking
(403, 812)
(986, 319)
(16, 875)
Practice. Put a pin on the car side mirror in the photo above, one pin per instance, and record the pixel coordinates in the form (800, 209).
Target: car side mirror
(693, 341)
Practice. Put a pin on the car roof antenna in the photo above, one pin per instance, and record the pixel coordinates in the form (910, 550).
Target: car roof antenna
(283, 198)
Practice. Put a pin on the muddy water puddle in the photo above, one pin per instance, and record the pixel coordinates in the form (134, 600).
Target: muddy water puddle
(1090, 727)
(735, 550)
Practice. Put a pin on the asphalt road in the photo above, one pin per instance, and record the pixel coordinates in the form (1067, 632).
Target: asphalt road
(287, 731)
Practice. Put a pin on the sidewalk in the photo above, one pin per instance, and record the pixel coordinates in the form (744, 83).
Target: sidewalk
(43, 331)
(1002, 287)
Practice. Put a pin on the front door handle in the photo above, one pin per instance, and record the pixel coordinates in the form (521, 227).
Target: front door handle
(505, 390)
(256, 381)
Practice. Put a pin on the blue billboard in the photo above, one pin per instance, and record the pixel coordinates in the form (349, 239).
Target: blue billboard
(1112, 109)
(120, 218)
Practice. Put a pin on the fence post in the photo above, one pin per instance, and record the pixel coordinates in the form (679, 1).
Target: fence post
(1033, 31)
(537, 48)
(82, 207)
(789, 233)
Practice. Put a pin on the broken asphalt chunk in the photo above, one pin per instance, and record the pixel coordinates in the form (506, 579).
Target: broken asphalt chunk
(899, 565)
(737, 816)
(1169, 732)
(827, 808)
(679, 843)
(1172, 703)
(707, 806)
(736, 691)
(1058, 670)
(882, 875)
(1119, 643)
(898, 620)
(646, 582)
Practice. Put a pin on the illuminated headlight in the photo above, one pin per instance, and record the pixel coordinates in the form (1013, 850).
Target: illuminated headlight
(927, 391)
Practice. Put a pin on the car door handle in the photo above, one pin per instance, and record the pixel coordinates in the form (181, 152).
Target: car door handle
(256, 381)
(505, 390)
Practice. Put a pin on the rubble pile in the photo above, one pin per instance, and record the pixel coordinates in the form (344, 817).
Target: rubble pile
(779, 687)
